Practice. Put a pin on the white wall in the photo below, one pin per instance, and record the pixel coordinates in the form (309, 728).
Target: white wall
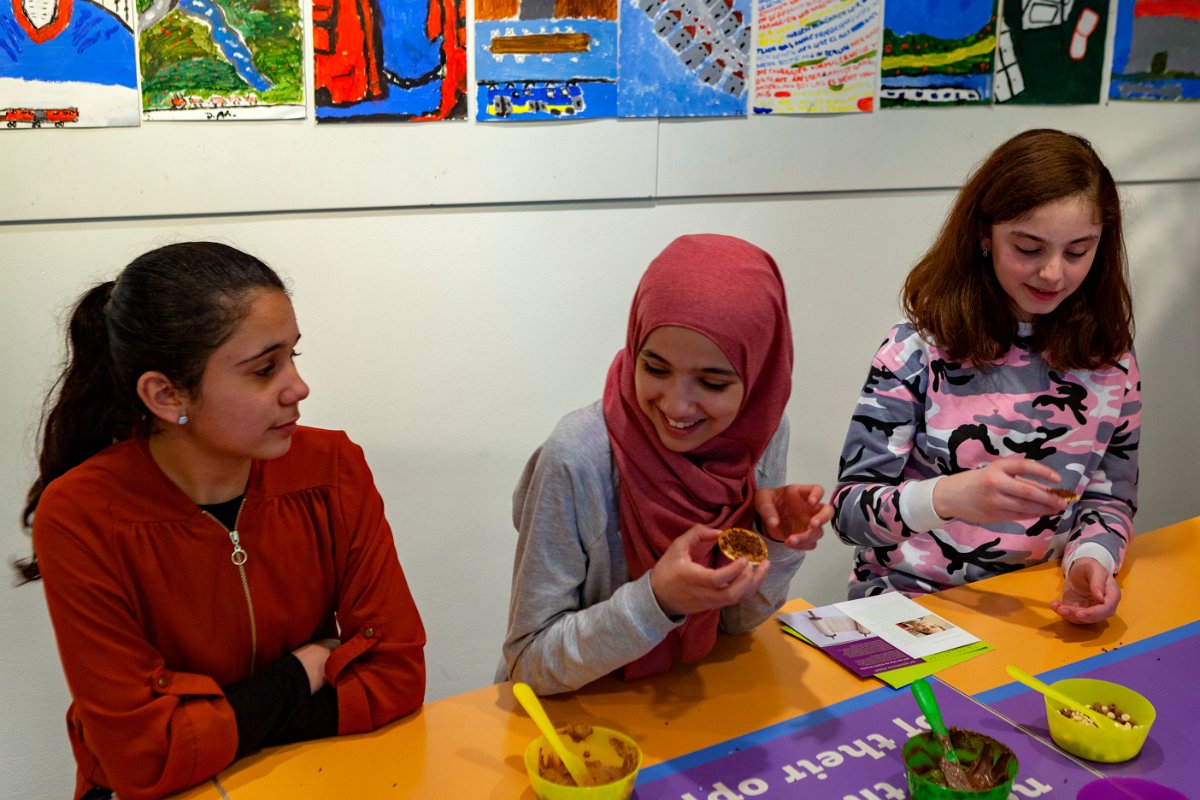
(449, 341)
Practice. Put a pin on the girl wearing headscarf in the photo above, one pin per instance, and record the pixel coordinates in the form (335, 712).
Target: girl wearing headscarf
(618, 512)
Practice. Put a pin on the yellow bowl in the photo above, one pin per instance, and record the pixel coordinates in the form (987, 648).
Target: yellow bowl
(1107, 744)
(604, 745)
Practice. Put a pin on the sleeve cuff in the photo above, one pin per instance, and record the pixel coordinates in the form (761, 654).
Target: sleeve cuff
(1090, 550)
(662, 623)
(916, 505)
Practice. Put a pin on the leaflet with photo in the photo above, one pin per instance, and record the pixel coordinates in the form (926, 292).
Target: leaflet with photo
(885, 635)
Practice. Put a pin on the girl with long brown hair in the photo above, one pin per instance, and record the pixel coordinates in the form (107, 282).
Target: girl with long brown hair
(999, 423)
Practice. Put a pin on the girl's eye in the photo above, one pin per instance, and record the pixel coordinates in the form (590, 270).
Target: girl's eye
(265, 371)
(1029, 252)
(1077, 255)
(714, 386)
(653, 370)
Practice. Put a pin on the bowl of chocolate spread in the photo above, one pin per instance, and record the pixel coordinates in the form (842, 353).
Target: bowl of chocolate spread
(987, 767)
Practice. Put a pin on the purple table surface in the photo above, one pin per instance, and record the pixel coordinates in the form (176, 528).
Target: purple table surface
(850, 751)
(1163, 668)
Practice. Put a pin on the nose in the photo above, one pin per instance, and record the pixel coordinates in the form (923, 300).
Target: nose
(295, 389)
(1052, 270)
(677, 399)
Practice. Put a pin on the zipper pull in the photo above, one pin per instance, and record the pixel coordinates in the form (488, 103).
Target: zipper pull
(238, 556)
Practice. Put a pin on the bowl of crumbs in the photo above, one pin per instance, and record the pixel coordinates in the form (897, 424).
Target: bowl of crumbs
(612, 760)
(738, 543)
(1129, 716)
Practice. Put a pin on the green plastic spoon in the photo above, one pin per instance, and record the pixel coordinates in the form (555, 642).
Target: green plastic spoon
(955, 777)
(533, 707)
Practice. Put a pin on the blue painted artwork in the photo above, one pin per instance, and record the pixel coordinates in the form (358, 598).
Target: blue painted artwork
(532, 68)
(937, 53)
(67, 63)
(385, 60)
(684, 58)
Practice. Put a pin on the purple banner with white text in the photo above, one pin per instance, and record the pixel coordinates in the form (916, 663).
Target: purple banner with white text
(849, 751)
(1162, 669)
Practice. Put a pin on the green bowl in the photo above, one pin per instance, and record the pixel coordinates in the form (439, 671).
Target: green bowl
(922, 753)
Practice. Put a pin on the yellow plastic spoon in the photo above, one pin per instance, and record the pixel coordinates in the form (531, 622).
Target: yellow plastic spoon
(533, 707)
(1071, 703)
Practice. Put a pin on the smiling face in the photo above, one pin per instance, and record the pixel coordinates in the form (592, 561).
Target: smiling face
(1045, 255)
(248, 401)
(686, 386)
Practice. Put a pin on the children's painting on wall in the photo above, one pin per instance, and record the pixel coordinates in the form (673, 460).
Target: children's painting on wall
(383, 60)
(937, 53)
(221, 59)
(684, 58)
(816, 56)
(1156, 51)
(1051, 51)
(545, 59)
(67, 63)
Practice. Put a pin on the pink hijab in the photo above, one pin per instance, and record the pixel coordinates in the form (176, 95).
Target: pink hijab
(730, 291)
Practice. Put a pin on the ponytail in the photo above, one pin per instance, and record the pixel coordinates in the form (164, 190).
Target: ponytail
(87, 409)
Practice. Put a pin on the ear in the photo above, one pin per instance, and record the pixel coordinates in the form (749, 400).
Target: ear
(985, 242)
(161, 397)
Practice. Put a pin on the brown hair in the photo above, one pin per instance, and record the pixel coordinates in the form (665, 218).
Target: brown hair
(953, 296)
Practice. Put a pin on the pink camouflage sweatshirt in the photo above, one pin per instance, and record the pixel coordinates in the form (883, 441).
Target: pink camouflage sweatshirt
(921, 415)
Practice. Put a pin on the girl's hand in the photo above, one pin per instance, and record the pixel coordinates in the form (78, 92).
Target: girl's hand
(1090, 593)
(313, 657)
(793, 514)
(999, 492)
(683, 586)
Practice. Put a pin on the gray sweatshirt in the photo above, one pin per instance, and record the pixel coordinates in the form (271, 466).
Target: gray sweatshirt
(575, 615)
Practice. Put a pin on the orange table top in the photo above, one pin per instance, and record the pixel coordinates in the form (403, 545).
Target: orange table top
(471, 745)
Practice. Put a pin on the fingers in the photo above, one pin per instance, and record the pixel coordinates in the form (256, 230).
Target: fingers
(1091, 594)
(696, 541)
(1083, 615)
(791, 510)
(1001, 491)
(804, 541)
(766, 506)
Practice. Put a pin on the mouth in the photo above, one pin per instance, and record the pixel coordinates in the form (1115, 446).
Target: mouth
(1042, 294)
(678, 427)
(286, 427)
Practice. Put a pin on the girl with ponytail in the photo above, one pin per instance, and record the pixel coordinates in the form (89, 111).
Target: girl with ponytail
(219, 578)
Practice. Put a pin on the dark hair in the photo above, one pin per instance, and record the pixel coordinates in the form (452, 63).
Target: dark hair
(953, 296)
(167, 312)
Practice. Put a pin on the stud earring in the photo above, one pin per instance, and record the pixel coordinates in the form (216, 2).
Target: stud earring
(183, 419)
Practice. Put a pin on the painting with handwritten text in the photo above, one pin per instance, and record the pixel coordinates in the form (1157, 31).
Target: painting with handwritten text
(221, 59)
(684, 58)
(937, 53)
(67, 64)
(1156, 51)
(385, 60)
(545, 59)
(816, 56)
(1051, 52)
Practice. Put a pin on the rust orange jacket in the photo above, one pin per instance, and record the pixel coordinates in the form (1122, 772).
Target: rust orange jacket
(152, 617)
